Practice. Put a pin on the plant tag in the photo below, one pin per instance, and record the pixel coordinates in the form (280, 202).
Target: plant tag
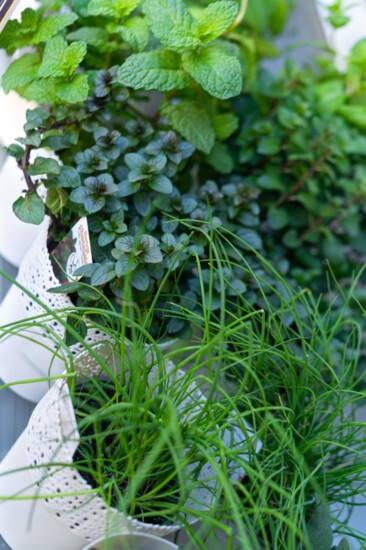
(72, 252)
(6, 9)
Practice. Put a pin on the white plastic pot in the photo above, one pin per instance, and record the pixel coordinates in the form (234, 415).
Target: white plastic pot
(16, 237)
(132, 541)
(78, 517)
(22, 358)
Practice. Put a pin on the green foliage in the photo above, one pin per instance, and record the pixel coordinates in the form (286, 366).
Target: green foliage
(155, 70)
(30, 209)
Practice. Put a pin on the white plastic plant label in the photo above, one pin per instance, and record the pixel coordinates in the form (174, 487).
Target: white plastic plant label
(6, 9)
(72, 252)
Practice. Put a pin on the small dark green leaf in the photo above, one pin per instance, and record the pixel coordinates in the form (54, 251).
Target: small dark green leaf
(105, 273)
(30, 209)
(44, 165)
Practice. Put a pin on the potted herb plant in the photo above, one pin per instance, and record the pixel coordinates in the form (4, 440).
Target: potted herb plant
(125, 443)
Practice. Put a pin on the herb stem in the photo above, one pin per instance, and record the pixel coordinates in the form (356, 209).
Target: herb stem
(302, 180)
(24, 165)
(241, 15)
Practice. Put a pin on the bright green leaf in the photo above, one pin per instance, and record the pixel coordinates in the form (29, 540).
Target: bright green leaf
(30, 209)
(216, 19)
(74, 91)
(155, 70)
(56, 199)
(219, 74)
(59, 59)
(41, 91)
(171, 22)
(93, 36)
(51, 25)
(225, 125)
(136, 33)
(22, 71)
(190, 119)
(356, 114)
(112, 8)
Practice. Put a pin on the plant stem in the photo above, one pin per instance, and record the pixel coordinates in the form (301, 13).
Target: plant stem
(240, 16)
(24, 165)
(302, 180)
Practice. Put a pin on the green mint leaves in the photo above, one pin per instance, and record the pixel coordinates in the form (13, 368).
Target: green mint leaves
(192, 121)
(158, 69)
(59, 59)
(50, 77)
(216, 71)
(215, 20)
(112, 8)
(33, 30)
(171, 23)
(219, 74)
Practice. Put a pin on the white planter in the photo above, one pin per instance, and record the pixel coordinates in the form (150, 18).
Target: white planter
(13, 107)
(133, 541)
(16, 237)
(22, 359)
(71, 522)
(26, 524)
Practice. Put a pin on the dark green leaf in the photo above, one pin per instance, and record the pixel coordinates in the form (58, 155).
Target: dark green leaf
(30, 209)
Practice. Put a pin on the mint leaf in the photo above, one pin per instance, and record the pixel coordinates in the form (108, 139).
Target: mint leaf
(155, 70)
(190, 119)
(112, 8)
(59, 59)
(136, 33)
(75, 91)
(22, 71)
(40, 91)
(17, 34)
(50, 26)
(225, 125)
(171, 22)
(216, 19)
(218, 74)
(93, 36)
(30, 209)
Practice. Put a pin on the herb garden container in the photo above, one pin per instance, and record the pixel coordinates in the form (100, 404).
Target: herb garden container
(134, 541)
(40, 464)
(32, 353)
(16, 237)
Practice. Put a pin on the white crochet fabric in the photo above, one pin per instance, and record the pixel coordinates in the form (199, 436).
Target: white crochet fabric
(52, 437)
(37, 276)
